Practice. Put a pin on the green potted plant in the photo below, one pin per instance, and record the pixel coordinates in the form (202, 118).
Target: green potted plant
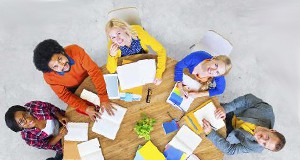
(144, 126)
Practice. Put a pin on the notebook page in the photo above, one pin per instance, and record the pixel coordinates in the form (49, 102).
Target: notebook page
(186, 140)
(147, 71)
(90, 96)
(208, 112)
(77, 132)
(90, 150)
(108, 126)
(128, 76)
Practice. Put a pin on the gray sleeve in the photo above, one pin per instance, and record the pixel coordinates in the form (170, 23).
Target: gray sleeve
(224, 146)
(243, 102)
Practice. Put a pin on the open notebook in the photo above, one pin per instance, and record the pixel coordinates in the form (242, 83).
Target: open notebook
(108, 126)
(176, 100)
(137, 73)
(185, 140)
(206, 110)
(112, 86)
(90, 150)
(77, 132)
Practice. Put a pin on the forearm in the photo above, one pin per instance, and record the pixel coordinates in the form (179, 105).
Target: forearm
(58, 115)
(225, 146)
(161, 63)
(111, 65)
(202, 94)
(55, 139)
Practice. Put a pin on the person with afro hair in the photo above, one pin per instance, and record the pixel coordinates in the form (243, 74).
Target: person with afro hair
(64, 69)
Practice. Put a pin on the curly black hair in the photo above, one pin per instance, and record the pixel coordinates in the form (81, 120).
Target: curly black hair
(43, 52)
(10, 117)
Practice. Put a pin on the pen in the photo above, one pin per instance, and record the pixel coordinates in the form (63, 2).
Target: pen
(213, 127)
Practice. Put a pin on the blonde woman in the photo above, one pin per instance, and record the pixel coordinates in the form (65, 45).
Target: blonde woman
(208, 70)
(125, 40)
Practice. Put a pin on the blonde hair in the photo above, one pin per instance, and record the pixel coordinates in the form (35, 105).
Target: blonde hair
(227, 62)
(120, 24)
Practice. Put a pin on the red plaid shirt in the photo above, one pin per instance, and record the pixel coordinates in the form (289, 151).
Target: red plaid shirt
(34, 136)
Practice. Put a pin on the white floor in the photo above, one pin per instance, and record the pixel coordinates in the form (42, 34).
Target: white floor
(265, 36)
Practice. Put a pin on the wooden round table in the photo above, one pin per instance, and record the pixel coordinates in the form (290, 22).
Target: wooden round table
(125, 145)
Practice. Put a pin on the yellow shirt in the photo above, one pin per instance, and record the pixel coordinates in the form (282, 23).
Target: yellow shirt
(146, 40)
(237, 123)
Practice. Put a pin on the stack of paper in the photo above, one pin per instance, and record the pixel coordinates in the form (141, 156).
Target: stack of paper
(185, 140)
(112, 83)
(77, 132)
(149, 152)
(90, 96)
(90, 150)
(175, 98)
(206, 110)
(137, 73)
(108, 126)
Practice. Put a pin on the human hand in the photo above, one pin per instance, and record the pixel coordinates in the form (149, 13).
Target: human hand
(108, 107)
(113, 49)
(183, 93)
(63, 131)
(92, 113)
(63, 120)
(206, 126)
(220, 113)
(157, 81)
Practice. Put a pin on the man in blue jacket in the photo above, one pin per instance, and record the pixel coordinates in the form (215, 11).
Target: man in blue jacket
(249, 123)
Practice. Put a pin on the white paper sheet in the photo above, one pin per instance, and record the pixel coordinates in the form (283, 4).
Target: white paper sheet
(90, 96)
(109, 126)
(77, 132)
(185, 140)
(136, 74)
(112, 84)
(90, 150)
(208, 112)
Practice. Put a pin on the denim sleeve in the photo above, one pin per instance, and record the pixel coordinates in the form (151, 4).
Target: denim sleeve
(242, 103)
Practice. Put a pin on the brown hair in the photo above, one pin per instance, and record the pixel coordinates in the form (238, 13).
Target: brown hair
(281, 142)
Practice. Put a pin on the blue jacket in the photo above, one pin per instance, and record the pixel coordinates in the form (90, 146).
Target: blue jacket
(190, 62)
(249, 109)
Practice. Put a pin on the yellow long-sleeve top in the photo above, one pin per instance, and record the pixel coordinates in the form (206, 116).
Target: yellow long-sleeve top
(146, 40)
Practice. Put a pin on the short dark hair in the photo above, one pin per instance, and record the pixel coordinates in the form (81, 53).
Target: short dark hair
(43, 52)
(281, 143)
(10, 117)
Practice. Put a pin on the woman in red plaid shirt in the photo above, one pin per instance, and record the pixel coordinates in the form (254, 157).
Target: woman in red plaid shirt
(42, 125)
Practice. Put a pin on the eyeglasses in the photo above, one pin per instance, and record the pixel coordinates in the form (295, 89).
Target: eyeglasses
(149, 93)
(23, 120)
